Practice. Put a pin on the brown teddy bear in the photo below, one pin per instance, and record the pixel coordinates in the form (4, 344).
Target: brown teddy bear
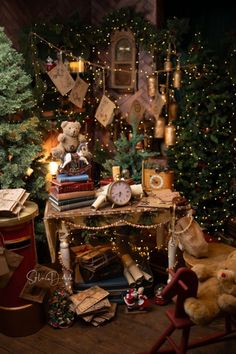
(69, 139)
(216, 291)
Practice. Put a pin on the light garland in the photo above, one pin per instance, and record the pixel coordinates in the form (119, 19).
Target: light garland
(120, 222)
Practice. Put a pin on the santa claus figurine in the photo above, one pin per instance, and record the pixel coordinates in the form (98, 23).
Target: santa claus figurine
(136, 300)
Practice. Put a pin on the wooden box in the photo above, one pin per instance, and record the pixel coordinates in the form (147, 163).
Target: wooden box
(156, 176)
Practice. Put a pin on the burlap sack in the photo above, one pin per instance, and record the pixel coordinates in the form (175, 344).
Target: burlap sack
(191, 237)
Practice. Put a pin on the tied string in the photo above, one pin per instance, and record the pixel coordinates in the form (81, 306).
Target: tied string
(17, 204)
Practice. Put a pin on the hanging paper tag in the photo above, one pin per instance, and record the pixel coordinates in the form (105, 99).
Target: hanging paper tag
(78, 92)
(104, 113)
(125, 102)
(61, 78)
(136, 112)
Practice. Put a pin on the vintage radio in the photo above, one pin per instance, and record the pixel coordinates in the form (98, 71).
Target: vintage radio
(156, 175)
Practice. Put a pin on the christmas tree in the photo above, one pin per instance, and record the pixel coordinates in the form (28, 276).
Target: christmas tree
(128, 155)
(204, 155)
(20, 148)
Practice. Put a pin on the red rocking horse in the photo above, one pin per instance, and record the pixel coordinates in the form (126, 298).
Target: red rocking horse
(184, 284)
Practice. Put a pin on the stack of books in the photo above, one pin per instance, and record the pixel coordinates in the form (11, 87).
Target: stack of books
(71, 192)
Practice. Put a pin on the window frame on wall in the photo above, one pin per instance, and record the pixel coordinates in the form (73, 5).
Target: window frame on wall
(123, 61)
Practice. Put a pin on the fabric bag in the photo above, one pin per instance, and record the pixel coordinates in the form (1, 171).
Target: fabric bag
(191, 238)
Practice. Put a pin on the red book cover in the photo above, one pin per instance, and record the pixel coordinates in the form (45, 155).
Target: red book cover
(65, 187)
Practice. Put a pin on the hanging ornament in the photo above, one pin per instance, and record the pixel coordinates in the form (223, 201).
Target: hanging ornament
(172, 111)
(49, 63)
(167, 64)
(177, 76)
(151, 85)
(170, 135)
(159, 129)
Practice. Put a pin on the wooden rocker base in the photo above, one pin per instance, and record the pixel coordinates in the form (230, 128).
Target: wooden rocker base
(184, 284)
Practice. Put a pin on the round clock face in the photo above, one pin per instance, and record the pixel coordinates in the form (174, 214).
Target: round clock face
(156, 181)
(119, 193)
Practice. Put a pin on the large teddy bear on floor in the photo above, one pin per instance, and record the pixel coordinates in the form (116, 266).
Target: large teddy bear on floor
(216, 291)
(69, 139)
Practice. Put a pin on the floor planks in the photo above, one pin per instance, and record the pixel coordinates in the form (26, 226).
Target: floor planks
(125, 334)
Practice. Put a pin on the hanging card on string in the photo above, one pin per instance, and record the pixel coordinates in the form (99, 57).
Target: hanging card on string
(125, 102)
(78, 92)
(61, 78)
(136, 112)
(104, 113)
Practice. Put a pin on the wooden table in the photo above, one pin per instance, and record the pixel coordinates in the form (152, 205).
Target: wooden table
(58, 225)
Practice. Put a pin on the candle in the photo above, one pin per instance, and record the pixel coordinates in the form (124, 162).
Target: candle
(115, 172)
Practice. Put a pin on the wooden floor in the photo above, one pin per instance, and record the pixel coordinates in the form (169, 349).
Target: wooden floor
(125, 334)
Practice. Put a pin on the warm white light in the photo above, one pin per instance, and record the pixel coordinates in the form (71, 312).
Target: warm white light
(53, 167)
(77, 66)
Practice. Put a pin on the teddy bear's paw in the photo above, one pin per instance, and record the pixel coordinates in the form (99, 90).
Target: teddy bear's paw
(227, 303)
(197, 311)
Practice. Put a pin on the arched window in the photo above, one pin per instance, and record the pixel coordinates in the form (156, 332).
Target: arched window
(123, 54)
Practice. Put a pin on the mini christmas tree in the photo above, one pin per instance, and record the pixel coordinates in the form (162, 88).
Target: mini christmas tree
(204, 156)
(20, 148)
(128, 156)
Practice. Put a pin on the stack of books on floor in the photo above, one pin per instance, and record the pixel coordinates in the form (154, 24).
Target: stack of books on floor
(71, 192)
(100, 266)
(93, 305)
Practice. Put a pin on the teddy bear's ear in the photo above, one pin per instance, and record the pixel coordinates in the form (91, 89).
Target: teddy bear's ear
(63, 124)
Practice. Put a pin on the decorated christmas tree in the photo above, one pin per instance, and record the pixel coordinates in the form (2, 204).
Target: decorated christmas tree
(20, 148)
(204, 155)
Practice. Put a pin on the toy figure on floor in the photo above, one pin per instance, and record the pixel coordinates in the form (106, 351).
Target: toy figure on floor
(136, 300)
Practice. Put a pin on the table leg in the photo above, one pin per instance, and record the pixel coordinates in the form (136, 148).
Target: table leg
(65, 257)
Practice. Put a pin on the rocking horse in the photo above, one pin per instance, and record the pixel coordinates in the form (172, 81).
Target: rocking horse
(184, 284)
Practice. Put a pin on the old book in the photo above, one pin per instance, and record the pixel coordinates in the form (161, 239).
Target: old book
(70, 195)
(61, 177)
(84, 301)
(71, 206)
(65, 187)
(69, 201)
(12, 201)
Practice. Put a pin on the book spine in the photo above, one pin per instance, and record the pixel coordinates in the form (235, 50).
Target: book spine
(69, 201)
(77, 186)
(78, 178)
(73, 205)
(70, 195)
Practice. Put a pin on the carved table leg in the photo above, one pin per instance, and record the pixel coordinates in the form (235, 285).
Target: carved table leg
(65, 257)
(172, 245)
